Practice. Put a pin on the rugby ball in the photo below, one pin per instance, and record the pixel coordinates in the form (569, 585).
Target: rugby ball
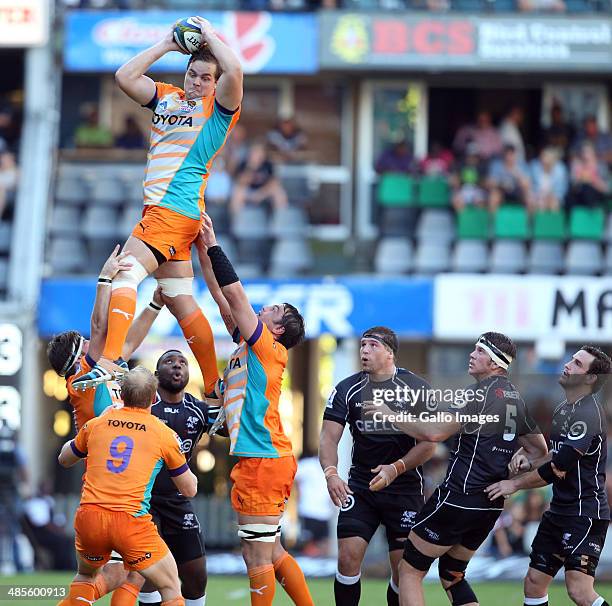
(187, 35)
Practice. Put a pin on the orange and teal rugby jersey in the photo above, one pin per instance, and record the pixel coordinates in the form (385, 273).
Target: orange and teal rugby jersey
(125, 450)
(91, 402)
(253, 378)
(185, 137)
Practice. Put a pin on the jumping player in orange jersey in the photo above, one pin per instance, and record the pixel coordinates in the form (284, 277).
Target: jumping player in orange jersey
(125, 449)
(188, 129)
(264, 474)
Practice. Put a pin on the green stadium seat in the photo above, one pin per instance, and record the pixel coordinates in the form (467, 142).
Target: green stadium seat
(586, 223)
(549, 225)
(473, 224)
(434, 191)
(511, 223)
(396, 189)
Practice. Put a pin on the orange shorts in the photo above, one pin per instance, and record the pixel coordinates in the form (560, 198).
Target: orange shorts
(169, 232)
(262, 486)
(100, 531)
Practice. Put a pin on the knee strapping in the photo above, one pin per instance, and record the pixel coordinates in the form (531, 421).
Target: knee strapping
(451, 569)
(131, 278)
(415, 558)
(173, 287)
(266, 533)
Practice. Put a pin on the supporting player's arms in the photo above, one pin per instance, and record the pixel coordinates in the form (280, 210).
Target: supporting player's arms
(186, 483)
(99, 314)
(141, 325)
(130, 76)
(338, 489)
(416, 456)
(532, 454)
(228, 92)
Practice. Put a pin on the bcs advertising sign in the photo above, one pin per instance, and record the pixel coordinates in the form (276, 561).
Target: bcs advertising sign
(265, 42)
(23, 23)
(465, 42)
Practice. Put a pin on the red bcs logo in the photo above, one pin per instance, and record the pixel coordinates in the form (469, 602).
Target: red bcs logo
(394, 37)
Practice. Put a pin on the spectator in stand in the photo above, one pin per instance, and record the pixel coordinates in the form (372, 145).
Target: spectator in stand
(541, 6)
(601, 141)
(508, 180)
(235, 150)
(131, 137)
(535, 504)
(8, 174)
(549, 181)
(256, 182)
(508, 531)
(467, 182)
(438, 162)
(510, 131)
(397, 158)
(560, 133)
(483, 134)
(90, 133)
(287, 141)
(589, 179)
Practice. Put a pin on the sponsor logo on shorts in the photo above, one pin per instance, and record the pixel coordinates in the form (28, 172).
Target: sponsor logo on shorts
(172, 251)
(408, 518)
(146, 556)
(93, 558)
(577, 430)
(595, 547)
(565, 540)
(189, 521)
(434, 536)
(349, 503)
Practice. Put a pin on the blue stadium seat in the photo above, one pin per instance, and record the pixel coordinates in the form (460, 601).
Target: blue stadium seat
(583, 258)
(393, 256)
(470, 256)
(508, 257)
(545, 257)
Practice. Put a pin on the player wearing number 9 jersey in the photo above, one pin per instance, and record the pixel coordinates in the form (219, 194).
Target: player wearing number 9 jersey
(125, 450)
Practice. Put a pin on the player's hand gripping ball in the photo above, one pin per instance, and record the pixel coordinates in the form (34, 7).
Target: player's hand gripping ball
(187, 35)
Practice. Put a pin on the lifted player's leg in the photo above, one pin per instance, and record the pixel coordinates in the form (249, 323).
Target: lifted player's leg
(290, 576)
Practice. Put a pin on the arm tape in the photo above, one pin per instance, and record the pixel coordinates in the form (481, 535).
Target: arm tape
(566, 458)
(222, 267)
(546, 473)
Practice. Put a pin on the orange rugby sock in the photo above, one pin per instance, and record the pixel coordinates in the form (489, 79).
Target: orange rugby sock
(175, 602)
(199, 335)
(262, 581)
(121, 311)
(100, 587)
(126, 595)
(289, 574)
(82, 593)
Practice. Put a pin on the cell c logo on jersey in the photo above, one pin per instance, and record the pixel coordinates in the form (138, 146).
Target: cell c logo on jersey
(577, 430)
(185, 446)
(350, 502)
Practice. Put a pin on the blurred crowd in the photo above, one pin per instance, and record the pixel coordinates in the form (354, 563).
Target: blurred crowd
(490, 164)
(10, 126)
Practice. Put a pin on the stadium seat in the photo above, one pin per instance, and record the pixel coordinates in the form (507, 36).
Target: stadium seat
(68, 255)
(608, 234)
(393, 256)
(470, 256)
(288, 222)
(436, 225)
(508, 257)
(396, 189)
(3, 274)
(5, 237)
(583, 258)
(290, 256)
(129, 216)
(545, 258)
(398, 222)
(511, 223)
(65, 219)
(473, 224)
(219, 213)
(298, 190)
(251, 222)
(586, 223)
(134, 195)
(100, 222)
(549, 225)
(608, 261)
(431, 258)
(110, 192)
(71, 191)
(434, 191)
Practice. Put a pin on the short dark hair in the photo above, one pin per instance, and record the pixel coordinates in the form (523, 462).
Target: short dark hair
(60, 348)
(138, 388)
(168, 351)
(600, 366)
(293, 323)
(205, 54)
(502, 342)
(387, 335)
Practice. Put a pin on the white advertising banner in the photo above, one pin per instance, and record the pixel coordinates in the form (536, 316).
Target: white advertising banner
(23, 23)
(525, 308)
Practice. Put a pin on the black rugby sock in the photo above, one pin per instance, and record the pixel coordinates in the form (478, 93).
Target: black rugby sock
(347, 590)
(392, 597)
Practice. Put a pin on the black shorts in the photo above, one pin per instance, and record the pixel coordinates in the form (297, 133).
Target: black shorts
(178, 526)
(367, 510)
(451, 518)
(560, 537)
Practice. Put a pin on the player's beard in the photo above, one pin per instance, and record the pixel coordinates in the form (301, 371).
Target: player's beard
(173, 386)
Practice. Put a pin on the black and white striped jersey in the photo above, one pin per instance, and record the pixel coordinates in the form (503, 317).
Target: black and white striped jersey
(376, 443)
(582, 426)
(190, 419)
(482, 450)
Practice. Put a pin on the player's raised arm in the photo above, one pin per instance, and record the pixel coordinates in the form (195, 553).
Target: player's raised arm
(231, 287)
(131, 75)
(229, 87)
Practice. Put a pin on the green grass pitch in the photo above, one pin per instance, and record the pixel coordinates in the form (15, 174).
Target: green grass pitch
(233, 590)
